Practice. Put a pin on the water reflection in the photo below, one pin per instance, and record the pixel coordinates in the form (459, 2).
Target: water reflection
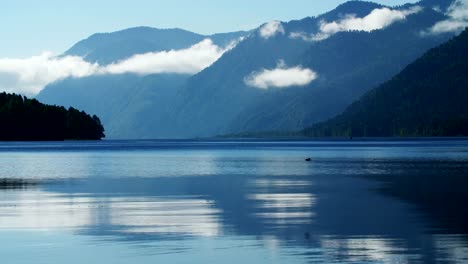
(189, 216)
(367, 249)
(284, 209)
(41, 210)
(257, 201)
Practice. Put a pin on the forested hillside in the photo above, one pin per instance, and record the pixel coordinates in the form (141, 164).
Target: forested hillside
(428, 98)
(29, 120)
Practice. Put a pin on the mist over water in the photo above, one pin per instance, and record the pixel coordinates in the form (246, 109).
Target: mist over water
(228, 202)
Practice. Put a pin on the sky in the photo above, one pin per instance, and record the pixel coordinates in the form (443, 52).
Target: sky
(31, 27)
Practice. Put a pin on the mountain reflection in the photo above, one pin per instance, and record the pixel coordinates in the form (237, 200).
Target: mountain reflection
(340, 216)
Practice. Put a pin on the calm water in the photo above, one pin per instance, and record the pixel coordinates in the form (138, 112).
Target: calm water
(223, 202)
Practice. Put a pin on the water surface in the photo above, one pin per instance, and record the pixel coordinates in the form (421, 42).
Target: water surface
(226, 202)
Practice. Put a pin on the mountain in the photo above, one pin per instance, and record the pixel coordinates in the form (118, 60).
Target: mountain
(129, 105)
(105, 48)
(428, 98)
(26, 119)
(218, 100)
(126, 103)
(348, 64)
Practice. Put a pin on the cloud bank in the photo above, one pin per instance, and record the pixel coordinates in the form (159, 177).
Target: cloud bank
(377, 19)
(187, 61)
(271, 29)
(457, 21)
(30, 75)
(281, 77)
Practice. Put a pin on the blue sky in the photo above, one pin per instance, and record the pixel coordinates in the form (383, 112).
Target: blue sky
(29, 27)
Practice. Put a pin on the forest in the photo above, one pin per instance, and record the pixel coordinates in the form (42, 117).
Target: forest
(428, 98)
(24, 119)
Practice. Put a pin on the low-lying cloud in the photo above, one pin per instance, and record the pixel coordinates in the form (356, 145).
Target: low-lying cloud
(186, 61)
(281, 77)
(271, 29)
(30, 75)
(457, 21)
(377, 19)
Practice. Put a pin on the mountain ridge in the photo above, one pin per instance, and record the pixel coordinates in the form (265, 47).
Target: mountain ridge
(218, 100)
(211, 121)
(413, 103)
(106, 48)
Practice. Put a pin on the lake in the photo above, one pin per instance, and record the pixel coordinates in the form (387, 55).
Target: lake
(234, 202)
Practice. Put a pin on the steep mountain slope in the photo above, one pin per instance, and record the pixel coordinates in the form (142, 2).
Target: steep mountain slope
(218, 93)
(129, 105)
(102, 95)
(428, 98)
(145, 110)
(347, 63)
(114, 97)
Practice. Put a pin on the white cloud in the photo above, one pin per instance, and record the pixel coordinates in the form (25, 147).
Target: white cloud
(186, 61)
(437, 9)
(271, 29)
(304, 36)
(377, 19)
(457, 21)
(30, 75)
(281, 77)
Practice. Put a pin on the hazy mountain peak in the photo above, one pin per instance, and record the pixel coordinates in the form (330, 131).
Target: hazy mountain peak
(106, 48)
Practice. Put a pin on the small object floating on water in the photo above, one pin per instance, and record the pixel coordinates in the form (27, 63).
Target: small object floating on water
(308, 159)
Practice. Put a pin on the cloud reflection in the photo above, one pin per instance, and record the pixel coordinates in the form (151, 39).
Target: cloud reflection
(284, 208)
(189, 216)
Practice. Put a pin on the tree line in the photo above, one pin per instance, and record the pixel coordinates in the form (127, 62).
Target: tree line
(23, 119)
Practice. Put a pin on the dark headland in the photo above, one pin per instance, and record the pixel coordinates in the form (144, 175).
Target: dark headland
(24, 119)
